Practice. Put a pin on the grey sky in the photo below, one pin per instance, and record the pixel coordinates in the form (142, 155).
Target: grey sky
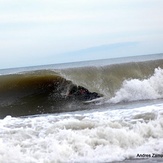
(36, 32)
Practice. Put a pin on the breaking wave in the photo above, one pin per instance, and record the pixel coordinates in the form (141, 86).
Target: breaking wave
(44, 91)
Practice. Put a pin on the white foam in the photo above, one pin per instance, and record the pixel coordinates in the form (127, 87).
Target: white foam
(100, 136)
(135, 89)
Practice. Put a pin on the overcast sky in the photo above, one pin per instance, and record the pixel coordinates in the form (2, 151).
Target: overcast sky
(38, 32)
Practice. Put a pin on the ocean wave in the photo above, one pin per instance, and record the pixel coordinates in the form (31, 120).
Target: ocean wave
(46, 90)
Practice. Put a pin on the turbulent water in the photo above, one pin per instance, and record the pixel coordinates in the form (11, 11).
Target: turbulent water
(40, 124)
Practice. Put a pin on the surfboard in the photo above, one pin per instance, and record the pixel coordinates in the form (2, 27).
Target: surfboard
(97, 100)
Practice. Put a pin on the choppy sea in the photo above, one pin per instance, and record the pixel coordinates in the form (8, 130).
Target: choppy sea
(39, 124)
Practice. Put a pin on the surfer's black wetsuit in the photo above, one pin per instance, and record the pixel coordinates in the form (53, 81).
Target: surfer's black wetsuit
(82, 93)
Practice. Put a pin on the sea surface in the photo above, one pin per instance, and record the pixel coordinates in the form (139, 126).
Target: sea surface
(39, 124)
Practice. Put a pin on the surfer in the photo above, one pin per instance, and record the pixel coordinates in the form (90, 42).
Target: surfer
(81, 93)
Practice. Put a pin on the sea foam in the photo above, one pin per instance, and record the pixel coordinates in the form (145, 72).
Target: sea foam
(135, 89)
(99, 136)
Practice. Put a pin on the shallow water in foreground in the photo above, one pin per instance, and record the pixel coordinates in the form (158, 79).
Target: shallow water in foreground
(102, 135)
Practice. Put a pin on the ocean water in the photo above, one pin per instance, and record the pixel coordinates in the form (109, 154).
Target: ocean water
(125, 124)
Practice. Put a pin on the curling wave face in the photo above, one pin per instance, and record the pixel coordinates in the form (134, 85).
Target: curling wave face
(47, 90)
(38, 92)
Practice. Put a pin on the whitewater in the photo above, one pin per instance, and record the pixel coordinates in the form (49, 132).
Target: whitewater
(124, 125)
